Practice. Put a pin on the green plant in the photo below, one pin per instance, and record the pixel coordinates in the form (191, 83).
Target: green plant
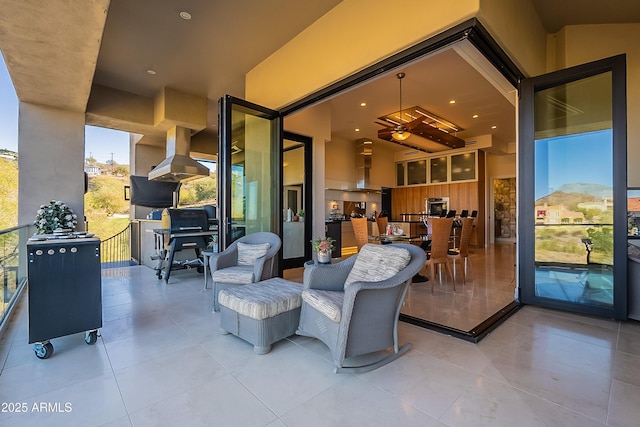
(322, 244)
(300, 212)
(55, 215)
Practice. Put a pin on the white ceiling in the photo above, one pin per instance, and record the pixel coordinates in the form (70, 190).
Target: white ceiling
(458, 73)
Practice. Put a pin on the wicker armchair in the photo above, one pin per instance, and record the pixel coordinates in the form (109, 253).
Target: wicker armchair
(238, 264)
(353, 306)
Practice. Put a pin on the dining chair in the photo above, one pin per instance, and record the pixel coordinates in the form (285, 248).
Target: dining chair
(382, 222)
(441, 230)
(462, 252)
(361, 231)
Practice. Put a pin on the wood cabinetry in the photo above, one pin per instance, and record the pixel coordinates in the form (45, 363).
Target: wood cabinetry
(465, 195)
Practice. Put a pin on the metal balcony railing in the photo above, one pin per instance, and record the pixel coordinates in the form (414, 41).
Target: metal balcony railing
(116, 250)
(13, 267)
(570, 244)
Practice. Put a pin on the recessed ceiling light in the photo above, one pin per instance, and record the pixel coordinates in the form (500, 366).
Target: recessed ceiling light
(494, 126)
(151, 72)
(185, 15)
(363, 104)
(475, 116)
(357, 130)
(453, 101)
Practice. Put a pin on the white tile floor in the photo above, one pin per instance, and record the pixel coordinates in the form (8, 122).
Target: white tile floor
(161, 361)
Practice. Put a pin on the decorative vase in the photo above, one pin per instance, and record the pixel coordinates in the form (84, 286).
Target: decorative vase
(324, 257)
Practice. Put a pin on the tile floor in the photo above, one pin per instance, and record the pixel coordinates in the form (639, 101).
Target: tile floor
(490, 286)
(161, 361)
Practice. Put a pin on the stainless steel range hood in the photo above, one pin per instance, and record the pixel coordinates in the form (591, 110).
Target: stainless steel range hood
(178, 166)
(364, 153)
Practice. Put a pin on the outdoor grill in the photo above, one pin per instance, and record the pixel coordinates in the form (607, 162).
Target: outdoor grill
(181, 229)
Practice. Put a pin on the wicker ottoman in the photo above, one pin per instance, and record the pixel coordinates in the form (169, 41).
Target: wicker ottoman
(261, 313)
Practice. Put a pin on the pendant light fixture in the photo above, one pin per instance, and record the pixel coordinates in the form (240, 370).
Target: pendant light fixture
(400, 132)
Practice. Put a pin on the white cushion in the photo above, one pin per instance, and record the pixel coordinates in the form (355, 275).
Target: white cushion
(237, 275)
(249, 253)
(328, 303)
(262, 300)
(375, 263)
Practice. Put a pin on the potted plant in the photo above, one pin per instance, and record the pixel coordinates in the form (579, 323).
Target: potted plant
(301, 215)
(56, 216)
(323, 246)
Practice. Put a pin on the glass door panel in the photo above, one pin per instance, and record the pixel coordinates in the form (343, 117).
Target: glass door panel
(571, 203)
(294, 238)
(248, 153)
(297, 174)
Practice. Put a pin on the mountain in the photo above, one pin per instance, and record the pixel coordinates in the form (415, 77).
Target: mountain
(596, 190)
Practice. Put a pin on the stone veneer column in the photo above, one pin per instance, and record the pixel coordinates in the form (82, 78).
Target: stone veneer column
(51, 160)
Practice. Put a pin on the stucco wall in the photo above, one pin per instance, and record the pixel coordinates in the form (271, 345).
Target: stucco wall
(347, 39)
(578, 44)
(515, 25)
(51, 147)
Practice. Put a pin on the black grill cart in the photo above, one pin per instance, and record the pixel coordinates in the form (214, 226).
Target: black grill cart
(65, 290)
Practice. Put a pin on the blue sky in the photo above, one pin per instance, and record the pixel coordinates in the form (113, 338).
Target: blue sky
(99, 142)
(579, 158)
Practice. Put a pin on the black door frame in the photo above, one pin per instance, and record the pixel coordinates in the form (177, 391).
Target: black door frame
(479, 37)
(225, 108)
(308, 198)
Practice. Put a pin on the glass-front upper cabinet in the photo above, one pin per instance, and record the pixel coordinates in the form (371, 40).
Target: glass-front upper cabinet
(417, 172)
(441, 169)
(438, 170)
(463, 167)
(400, 174)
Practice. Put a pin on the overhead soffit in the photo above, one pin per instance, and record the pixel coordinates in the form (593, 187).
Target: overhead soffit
(51, 49)
(208, 54)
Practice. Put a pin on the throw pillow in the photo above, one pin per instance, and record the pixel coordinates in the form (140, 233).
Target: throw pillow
(249, 253)
(377, 262)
